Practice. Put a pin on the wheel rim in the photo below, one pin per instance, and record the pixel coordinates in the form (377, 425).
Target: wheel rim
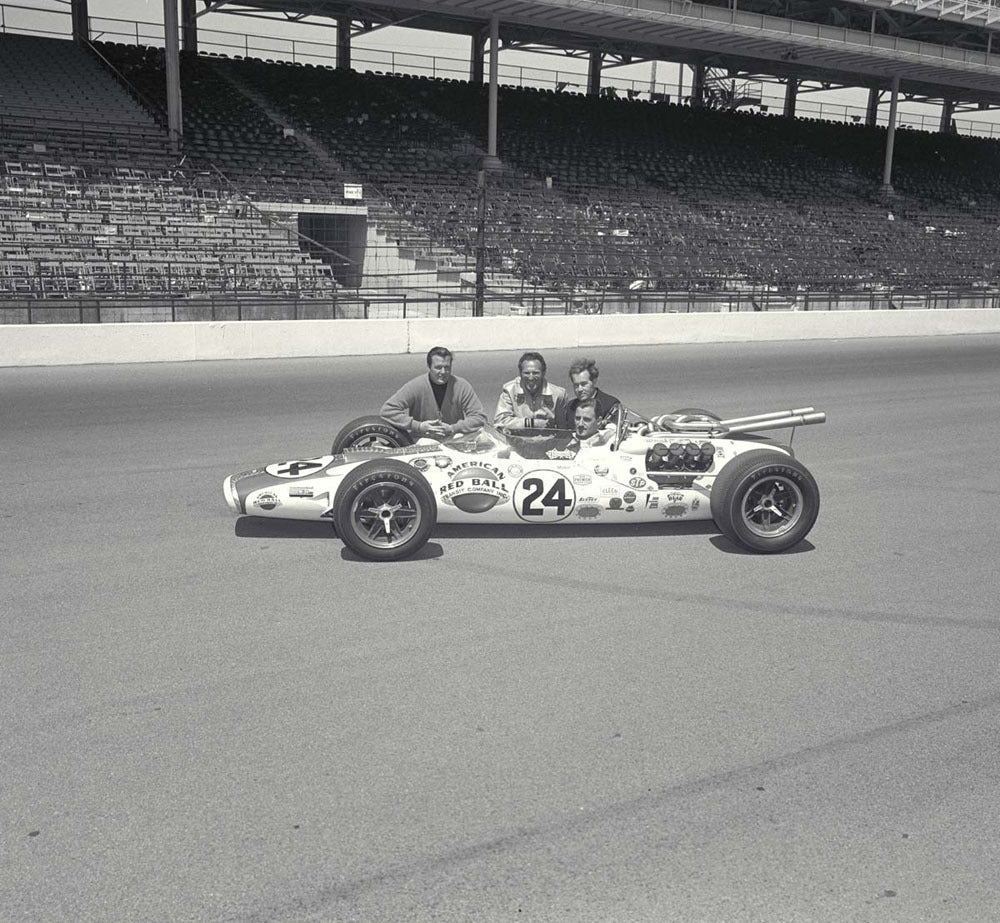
(772, 506)
(386, 515)
(373, 442)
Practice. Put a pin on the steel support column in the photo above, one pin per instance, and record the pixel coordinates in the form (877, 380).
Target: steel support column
(80, 15)
(594, 74)
(175, 113)
(791, 94)
(947, 114)
(477, 58)
(890, 138)
(343, 43)
(698, 86)
(871, 115)
(491, 161)
(189, 27)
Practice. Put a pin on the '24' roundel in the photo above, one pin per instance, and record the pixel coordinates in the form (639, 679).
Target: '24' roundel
(544, 496)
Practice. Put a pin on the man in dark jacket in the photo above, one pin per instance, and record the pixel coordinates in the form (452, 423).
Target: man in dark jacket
(437, 404)
(583, 375)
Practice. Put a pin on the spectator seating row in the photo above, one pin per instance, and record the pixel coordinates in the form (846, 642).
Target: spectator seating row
(593, 192)
(66, 236)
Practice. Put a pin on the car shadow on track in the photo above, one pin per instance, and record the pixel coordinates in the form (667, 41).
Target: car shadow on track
(727, 547)
(263, 527)
(618, 530)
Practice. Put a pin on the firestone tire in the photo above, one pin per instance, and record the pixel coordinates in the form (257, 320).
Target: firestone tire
(384, 510)
(698, 412)
(370, 434)
(765, 501)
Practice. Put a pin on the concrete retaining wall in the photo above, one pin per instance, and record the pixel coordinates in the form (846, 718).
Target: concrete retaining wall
(75, 344)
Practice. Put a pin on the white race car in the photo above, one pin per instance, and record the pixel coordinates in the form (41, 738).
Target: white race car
(385, 500)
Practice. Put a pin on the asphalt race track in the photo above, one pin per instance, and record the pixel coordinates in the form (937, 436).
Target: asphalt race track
(213, 719)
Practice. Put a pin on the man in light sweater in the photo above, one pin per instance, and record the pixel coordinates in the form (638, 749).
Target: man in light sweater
(437, 404)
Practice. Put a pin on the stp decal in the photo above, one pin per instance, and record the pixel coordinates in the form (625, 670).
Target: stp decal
(544, 496)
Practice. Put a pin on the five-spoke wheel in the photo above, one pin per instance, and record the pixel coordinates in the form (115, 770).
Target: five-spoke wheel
(384, 510)
(765, 500)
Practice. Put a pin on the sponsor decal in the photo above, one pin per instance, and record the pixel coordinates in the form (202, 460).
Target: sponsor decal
(625, 458)
(459, 470)
(266, 500)
(582, 480)
(294, 469)
(695, 503)
(544, 496)
(637, 483)
(629, 496)
(420, 463)
(633, 471)
(474, 488)
(442, 461)
(673, 512)
(609, 491)
(652, 502)
(588, 512)
(300, 491)
(615, 503)
(601, 471)
(588, 499)
(560, 453)
(515, 471)
(629, 509)
(675, 498)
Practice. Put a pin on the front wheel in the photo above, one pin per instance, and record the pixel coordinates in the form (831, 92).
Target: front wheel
(384, 510)
(765, 501)
(370, 434)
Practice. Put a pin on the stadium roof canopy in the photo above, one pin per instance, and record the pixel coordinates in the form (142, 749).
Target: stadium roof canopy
(938, 48)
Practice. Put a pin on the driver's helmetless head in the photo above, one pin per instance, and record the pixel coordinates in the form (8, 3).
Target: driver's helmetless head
(585, 419)
(583, 376)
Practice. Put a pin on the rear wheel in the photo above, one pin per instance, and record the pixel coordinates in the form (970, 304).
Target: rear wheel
(384, 510)
(765, 501)
(370, 434)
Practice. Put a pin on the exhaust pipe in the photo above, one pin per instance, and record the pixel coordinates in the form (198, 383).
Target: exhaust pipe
(800, 419)
(776, 415)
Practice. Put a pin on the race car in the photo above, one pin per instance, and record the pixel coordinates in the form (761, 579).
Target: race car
(384, 494)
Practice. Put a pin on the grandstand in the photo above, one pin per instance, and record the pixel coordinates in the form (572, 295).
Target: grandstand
(595, 203)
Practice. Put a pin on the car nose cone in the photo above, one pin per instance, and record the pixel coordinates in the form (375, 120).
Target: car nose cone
(229, 491)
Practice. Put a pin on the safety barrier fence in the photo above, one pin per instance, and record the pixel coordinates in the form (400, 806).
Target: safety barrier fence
(389, 306)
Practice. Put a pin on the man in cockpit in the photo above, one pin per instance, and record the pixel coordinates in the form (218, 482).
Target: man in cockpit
(587, 430)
